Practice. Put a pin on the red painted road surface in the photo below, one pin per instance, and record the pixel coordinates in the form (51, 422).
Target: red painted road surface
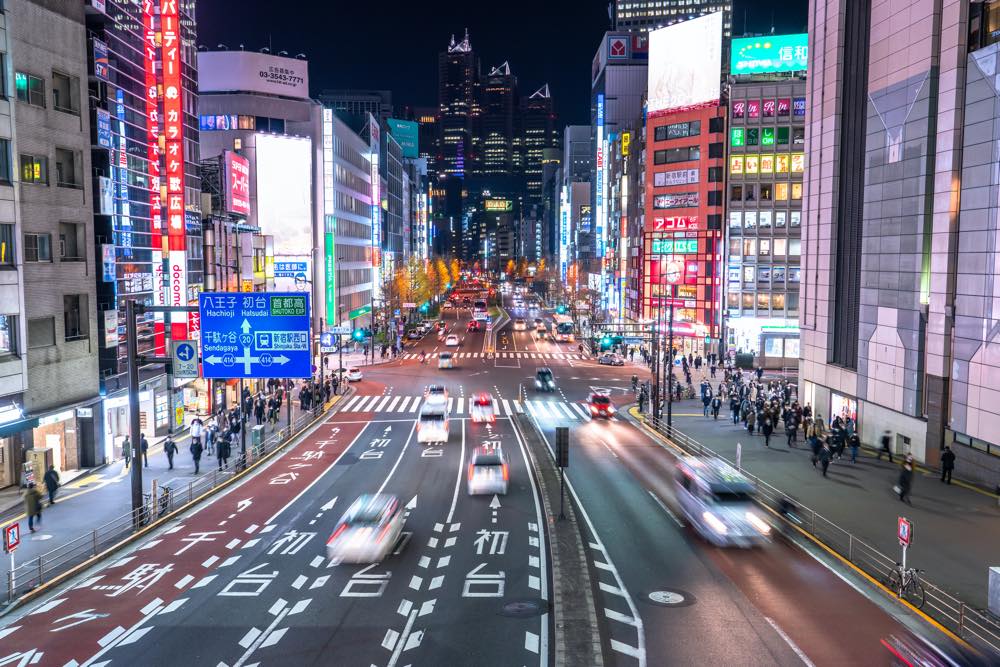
(112, 605)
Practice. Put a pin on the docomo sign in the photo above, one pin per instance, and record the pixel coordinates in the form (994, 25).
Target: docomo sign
(173, 129)
(238, 179)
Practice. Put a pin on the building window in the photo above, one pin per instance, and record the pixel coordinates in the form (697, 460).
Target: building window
(67, 175)
(778, 276)
(749, 193)
(41, 332)
(75, 316)
(780, 247)
(715, 198)
(5, 170)
(782, 136)
(753, 136)
(765, 191)
(7, 246)
(671, 155)
(65, 93)
(715, 174)
(735, 193)
(749, 248)
(765, 249)
(796, 191)
(798, 136)
(778, 301)
(37, 248)
(71, 242)
(763, 300)
(793, 275)
(715, 150)
(734, 248)
(794, 247)
(781, 192)
(30, 89)
(715, 125)
(748, 301)
(8, 335)
(34, 169)
(677, 131)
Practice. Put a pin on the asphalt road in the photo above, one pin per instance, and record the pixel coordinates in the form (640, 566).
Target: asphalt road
(244, 579)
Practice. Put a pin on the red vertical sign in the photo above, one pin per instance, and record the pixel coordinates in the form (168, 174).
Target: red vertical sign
(173, 130)
(150, 46)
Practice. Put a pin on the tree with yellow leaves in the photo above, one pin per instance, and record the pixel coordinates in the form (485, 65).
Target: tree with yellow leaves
(455, 268)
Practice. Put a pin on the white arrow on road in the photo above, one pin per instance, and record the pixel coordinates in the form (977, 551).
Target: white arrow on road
(245, 326)
(243, 504)
(412, 504)
(495, 503)
(329, 506)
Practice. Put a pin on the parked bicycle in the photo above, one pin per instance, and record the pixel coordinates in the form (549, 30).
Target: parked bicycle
(905, 583)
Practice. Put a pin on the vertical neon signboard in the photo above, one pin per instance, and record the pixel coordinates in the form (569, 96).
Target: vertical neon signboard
(173, 131)
(599, 189)
(373, 132)
(329, 221)
(150, 56)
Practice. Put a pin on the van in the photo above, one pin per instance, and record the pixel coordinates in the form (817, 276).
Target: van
(432, 423)
(718, 502)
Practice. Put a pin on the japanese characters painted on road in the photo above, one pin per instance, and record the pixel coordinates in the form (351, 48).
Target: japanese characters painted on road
(904, 531)
(258, 335)
(185, 358)
(11, 536)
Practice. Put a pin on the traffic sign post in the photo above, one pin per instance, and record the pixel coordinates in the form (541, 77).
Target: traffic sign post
(562, 460)
(11, 540)
(255, 335)
(904, 531)
(185, 358)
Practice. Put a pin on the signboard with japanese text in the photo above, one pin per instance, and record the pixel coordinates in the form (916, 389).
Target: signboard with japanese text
(238, 184)
(678, 177)
(255, 335)
(250, 71)
(406, 134)
(771, 53)
(101, 67)
(103, 128)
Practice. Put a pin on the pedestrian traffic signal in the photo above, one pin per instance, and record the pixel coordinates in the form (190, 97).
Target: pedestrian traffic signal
(424, 307)
(359, 334)
(561, 309)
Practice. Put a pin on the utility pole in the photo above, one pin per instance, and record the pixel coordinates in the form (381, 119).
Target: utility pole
(670, 365)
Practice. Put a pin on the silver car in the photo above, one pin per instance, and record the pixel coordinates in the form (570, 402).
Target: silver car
(718, 502)
(488, 472)
(368, 531)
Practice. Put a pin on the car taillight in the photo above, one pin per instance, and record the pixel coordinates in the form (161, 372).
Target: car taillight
(506, 472)
(593, 409)
(472, 469)
(382, 533)
(341, 528)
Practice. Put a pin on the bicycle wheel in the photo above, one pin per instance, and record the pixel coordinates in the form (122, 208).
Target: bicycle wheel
(894, 583)
(915, 593)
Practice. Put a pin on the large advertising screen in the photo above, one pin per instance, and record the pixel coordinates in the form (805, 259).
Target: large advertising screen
(406, 133)
(228, 71)
(774, 53)
(284, 201)
(685, 64)
(238, 184)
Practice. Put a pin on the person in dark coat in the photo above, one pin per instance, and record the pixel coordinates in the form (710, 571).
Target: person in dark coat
(51, 483)
(854, 442)
(258, 409)
(127, 451)
(716, 406)
(224, 449)
(33, 506)
(144, 446)
(947, 464)
(885, 442)
(906, 479)
(767, 428)
(824, 457)
(170, 448)
(196, 455)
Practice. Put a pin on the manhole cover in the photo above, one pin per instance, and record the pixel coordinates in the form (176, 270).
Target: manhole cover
(524, 608)
(670, 598)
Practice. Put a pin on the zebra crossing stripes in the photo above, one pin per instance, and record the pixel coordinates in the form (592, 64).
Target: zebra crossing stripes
(502, 355)
(461, 406)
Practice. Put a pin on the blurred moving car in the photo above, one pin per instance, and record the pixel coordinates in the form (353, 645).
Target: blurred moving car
(368, 530)
(415, 334)
(717, 501)
(611, 359)
(435, 393)
(907, 649)
(520, 324)
(426, 326)
(448, 304)
(451, 340)
(544, 380)
(432, 423)
(473, 326)
(488, 472)
(353, 374)
(446, 360)
(482, 408)
(601, 405)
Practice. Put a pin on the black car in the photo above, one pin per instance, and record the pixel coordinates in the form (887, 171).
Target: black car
(544, 380)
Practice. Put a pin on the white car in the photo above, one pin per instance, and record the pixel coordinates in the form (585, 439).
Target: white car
(482, 409)
(446, 360)
(451, 340)
(368, 531)
(488, 472)
(520, 325)
(436, 393)
(611, 359)
(353, 374)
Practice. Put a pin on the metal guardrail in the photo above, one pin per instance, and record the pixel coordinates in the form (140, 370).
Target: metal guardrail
(973, 625)
(36, 571)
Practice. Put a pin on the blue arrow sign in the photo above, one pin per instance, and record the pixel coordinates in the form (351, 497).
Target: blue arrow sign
(258, 335)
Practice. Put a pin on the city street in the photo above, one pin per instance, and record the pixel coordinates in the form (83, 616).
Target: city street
(462, 561)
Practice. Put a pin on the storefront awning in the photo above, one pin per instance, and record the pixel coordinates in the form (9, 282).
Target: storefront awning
(20, 425)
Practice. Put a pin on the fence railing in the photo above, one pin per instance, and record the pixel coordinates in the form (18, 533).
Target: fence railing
(979, 628)
(36, 571)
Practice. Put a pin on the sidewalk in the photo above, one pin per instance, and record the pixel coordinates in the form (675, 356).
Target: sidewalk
(105, 494)
(955, 528)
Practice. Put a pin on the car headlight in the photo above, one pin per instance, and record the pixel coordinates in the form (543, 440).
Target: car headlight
(762, 526)
(714, 523)
(537, 383)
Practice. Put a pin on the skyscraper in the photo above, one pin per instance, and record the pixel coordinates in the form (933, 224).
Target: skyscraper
(458, 107)
(645, 15)
(498, 139)
(540, 133)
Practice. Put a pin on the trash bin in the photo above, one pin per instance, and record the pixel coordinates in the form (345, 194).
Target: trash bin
(257, 440)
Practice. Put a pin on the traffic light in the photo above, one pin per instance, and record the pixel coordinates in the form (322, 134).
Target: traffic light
(359, 334)
(561, 309)
(424, 307)
(606, 342)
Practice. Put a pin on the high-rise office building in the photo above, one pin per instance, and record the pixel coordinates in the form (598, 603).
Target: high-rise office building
(645, 15)
(458, 108)
(359, 102)
(497, 128)
(540, 133)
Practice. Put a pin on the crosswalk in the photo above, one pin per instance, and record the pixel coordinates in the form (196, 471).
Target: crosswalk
(404, 406)
(503, 355)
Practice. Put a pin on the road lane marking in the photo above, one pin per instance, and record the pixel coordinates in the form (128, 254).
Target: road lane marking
(618, 616)
(627, 650)
(531, 642)
(458, 480)
(399, 458)
(392, 406)
(788, 640)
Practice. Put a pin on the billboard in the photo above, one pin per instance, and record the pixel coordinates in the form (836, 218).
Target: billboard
(283, 185)
(502, 205)
(774, 53)
(237, 184)
(173, 165)
(685, 64)
(228, 71)
(406, 133)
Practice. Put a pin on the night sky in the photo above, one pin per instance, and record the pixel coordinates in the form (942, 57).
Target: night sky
(393, 44)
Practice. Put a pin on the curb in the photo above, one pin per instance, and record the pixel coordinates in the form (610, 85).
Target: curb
(161, 521)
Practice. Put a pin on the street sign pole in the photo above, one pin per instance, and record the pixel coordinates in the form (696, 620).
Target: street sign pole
(562, 460)
(670, 360)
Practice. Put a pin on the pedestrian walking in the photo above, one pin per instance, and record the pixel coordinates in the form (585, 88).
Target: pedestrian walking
(210, 435)
(224, 449)
(905, 484)
(196, 455)
(258, 409)
(734, 408)
(127, 451)
(170, 448)
(767, 429)
(33, 506)
(197, 429)
(854, 442)
(51, 480)
(716, 406)
(642, 400)
(947, 464)
(824, 457)
(144, 447)
(751, 420)
(886, 440)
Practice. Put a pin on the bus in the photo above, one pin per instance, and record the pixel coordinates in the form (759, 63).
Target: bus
(564, 328)
(479, 311)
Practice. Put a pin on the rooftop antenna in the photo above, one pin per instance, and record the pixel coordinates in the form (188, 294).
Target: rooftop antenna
(772, 21)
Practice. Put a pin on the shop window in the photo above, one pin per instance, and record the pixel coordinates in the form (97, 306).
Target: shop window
(29, 88)
(774, 346)
(766, 191)
(37, 248)
(735, 193)
(41, 332)
(792, 301)
(780, 247)
(7, 258)
(733, 300)
(34, 169)
(747, 301)
(8, 335)
(763, 300)
(798, 136)
(778, 301)
(75, 316)
(781, 191)
(782, 136)
(65, 93)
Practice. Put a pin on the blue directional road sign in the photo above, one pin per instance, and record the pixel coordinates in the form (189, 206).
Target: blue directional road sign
(257, 335)
(185, 355)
